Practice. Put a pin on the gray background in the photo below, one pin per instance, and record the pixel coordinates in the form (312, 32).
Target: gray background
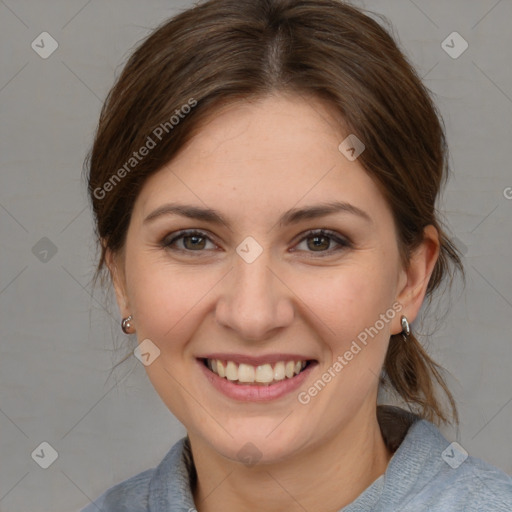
(57, 338)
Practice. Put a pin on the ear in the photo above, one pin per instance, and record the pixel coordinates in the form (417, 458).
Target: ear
(414, 279)
(115, 265)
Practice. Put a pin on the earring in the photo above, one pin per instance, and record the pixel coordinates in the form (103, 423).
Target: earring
(406, 328)
(127, 325)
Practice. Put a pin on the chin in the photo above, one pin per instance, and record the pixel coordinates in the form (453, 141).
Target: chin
(253, 442)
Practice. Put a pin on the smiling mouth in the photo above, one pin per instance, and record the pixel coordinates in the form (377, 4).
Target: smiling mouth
(263, 375)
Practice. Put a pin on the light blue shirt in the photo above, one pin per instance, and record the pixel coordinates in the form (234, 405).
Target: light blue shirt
(427, 473)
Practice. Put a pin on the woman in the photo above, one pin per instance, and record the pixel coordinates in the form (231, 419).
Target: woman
(264, 179)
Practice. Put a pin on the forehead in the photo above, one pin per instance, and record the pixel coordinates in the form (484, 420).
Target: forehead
(273, 128)
(270, 154)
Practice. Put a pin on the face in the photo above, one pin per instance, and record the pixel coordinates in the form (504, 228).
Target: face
(233, 265)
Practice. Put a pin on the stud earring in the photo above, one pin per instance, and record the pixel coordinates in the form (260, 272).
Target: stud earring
(406, 328)
(127, 325)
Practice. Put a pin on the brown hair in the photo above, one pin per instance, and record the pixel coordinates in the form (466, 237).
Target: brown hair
(222, 51)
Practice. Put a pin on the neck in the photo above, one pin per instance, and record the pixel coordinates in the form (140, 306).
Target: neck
(339, 470)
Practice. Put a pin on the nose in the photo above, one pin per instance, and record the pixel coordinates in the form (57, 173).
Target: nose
(254, 302)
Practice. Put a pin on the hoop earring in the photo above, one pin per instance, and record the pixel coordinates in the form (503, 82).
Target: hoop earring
(406, 328)
(127, 325)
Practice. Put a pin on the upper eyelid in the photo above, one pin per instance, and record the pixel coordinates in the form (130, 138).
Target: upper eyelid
(188, 232)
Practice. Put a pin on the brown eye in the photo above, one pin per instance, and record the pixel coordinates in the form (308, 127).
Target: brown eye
(322, 241)
(194, 242)
(318, 242)
(187, 241)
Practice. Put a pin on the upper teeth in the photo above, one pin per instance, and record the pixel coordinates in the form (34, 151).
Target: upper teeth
(264, 373)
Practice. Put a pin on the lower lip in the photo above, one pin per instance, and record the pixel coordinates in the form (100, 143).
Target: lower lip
(255, 392)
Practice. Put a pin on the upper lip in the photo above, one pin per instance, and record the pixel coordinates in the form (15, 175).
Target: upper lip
(256, 360)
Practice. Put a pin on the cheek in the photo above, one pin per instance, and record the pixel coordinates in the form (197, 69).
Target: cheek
(356, 305)
(169, 302)
(164, 298)
(349, 300)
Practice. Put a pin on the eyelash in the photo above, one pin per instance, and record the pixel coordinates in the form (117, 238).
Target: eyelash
(343, 242)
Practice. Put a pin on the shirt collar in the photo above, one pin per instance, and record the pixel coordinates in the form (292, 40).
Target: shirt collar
(171, 485)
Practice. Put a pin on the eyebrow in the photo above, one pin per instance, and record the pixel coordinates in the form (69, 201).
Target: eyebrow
(292, 216)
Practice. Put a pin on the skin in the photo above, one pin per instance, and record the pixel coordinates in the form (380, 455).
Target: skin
(252, 162)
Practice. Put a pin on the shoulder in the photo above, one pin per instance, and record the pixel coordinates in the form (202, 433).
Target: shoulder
(131, 495)
(472, 487)
(488, 488)
(451, 479)
(151, 489)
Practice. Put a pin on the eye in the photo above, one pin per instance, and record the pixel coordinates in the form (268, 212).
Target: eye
(321, 241)
(318, 241)
(190, 241)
